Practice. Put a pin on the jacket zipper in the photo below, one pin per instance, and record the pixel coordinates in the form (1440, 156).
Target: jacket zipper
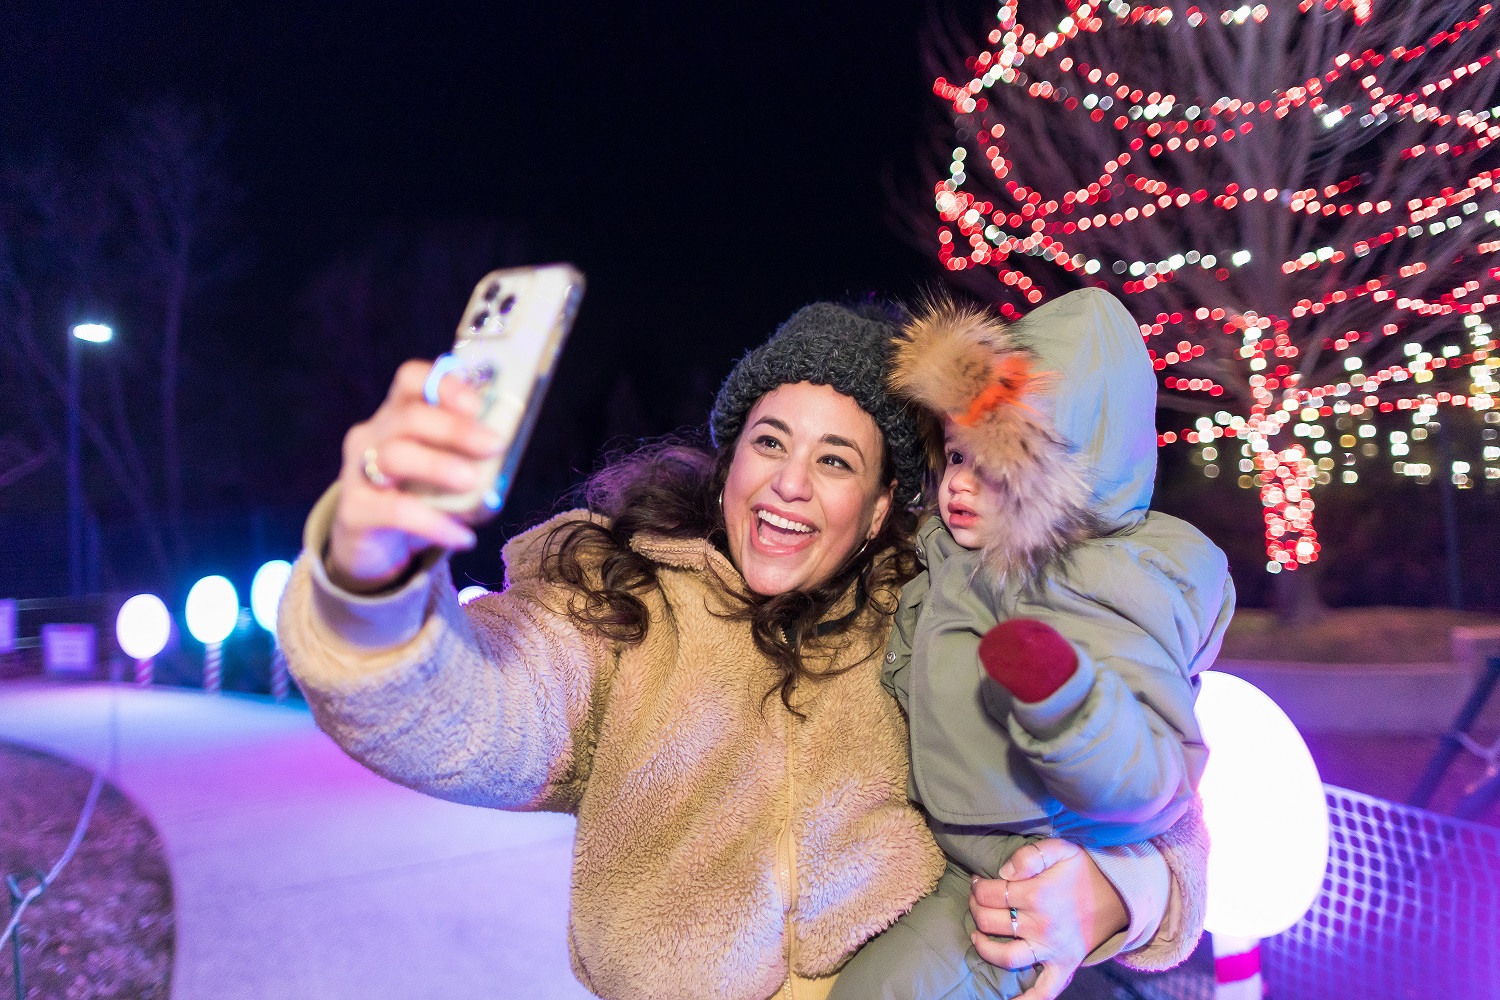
(787, 869)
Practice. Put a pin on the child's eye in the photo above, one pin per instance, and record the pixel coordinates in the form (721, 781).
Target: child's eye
(955, 458)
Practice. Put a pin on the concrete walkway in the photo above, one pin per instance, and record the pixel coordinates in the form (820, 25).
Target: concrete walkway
(297, 873)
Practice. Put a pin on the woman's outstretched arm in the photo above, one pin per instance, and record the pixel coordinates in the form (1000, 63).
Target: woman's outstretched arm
(489, 704)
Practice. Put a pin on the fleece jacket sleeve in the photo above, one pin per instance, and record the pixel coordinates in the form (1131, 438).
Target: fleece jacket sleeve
(489, 704)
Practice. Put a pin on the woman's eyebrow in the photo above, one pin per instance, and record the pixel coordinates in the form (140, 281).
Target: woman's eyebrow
(780, 425)
(840, 442)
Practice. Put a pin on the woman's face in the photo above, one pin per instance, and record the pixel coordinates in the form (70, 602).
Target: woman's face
(804, 490)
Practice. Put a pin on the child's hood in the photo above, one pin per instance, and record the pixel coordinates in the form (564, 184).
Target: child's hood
(1103, 401)
(1057, 409)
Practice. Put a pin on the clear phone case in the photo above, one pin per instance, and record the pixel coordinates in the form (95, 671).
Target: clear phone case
(507, 346)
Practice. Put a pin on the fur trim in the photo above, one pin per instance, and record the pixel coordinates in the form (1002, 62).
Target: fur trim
(1185, 848)
(963, 363)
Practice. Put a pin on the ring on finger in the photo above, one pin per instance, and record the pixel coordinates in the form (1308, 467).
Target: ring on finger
(1015, 924)
(1007, 894)
(372, 472)
(1040, 854)
(1034, 959)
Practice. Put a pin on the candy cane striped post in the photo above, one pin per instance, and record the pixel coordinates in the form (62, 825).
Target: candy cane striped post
(213, 672)
(1237, 968)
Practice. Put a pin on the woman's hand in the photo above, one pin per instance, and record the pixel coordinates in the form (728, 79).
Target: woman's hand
(380, 524)
(1065, 908)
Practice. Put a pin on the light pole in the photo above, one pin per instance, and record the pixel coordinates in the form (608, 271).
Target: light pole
(94, 333)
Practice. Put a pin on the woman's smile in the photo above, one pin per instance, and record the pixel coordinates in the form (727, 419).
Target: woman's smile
(779, 532)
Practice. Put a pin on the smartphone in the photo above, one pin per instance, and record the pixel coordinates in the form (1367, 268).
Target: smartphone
(507, 347)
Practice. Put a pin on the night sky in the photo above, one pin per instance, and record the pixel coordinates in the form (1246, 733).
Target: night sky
(708, 170)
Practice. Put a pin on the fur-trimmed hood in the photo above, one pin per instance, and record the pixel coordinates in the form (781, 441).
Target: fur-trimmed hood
(1057, 411)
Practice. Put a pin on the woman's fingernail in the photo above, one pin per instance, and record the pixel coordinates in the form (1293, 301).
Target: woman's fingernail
(1008, 871)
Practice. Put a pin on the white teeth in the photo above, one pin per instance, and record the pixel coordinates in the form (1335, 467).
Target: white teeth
(783, 523)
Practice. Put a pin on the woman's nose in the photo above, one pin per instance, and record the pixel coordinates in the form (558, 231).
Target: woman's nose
(793, 481)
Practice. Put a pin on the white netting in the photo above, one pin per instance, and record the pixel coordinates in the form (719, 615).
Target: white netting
(1410, 908)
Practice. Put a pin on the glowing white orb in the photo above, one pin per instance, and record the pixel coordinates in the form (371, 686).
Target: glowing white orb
(142, 626)
(469, 593)
(1266, 814)
(265, 592)
(213, 609)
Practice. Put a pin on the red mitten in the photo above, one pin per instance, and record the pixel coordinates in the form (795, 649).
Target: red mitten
(1028, 658)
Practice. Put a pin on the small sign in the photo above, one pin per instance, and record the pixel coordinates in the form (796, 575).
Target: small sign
(7, 625)
(69, 649)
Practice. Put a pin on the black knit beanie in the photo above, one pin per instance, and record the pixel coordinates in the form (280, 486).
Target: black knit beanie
(832, 345)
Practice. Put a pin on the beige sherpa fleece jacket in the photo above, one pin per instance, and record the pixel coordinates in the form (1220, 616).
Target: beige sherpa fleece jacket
(722, 843)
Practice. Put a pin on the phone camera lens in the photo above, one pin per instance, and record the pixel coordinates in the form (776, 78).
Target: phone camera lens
(506, 304)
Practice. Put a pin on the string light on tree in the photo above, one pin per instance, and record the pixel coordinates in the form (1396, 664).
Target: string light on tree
(1313, 251)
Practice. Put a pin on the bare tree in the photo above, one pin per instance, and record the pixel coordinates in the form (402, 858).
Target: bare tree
(54, 224)
(1297, 200)
(169, 170)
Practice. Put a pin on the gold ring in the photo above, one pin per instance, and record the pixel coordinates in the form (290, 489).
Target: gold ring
(376, 478)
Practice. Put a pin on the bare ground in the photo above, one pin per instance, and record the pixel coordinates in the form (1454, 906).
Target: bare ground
(1351, 635)
(105, 927)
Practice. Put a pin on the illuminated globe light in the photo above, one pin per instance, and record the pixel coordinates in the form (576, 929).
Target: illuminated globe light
(1265, 810)
(142, 628)
(470, 593)
(212, 610)
(266, 590)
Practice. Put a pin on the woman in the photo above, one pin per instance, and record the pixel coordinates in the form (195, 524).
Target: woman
(691, 667)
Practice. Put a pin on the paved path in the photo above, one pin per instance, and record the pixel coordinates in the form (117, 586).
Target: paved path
(297, 873)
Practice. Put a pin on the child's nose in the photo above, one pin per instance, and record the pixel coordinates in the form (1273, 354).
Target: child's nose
(963, 481)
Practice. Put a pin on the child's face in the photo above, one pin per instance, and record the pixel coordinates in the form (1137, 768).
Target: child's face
(965, 503)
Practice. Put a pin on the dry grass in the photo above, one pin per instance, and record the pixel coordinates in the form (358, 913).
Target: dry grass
(105, 927)
(1351, 635)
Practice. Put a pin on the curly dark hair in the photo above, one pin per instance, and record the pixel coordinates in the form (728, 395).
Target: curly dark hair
(671, 487)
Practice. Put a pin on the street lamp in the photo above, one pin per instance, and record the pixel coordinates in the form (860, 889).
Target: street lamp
(93, 333)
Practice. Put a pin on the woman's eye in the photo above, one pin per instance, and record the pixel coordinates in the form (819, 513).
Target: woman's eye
(837, 462)
(767, 441)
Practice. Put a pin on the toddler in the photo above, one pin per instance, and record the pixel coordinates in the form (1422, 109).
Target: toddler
(1046, 658)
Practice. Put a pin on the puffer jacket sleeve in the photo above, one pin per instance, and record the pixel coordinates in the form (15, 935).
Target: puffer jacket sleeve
(490, 704)
(1119, 742)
